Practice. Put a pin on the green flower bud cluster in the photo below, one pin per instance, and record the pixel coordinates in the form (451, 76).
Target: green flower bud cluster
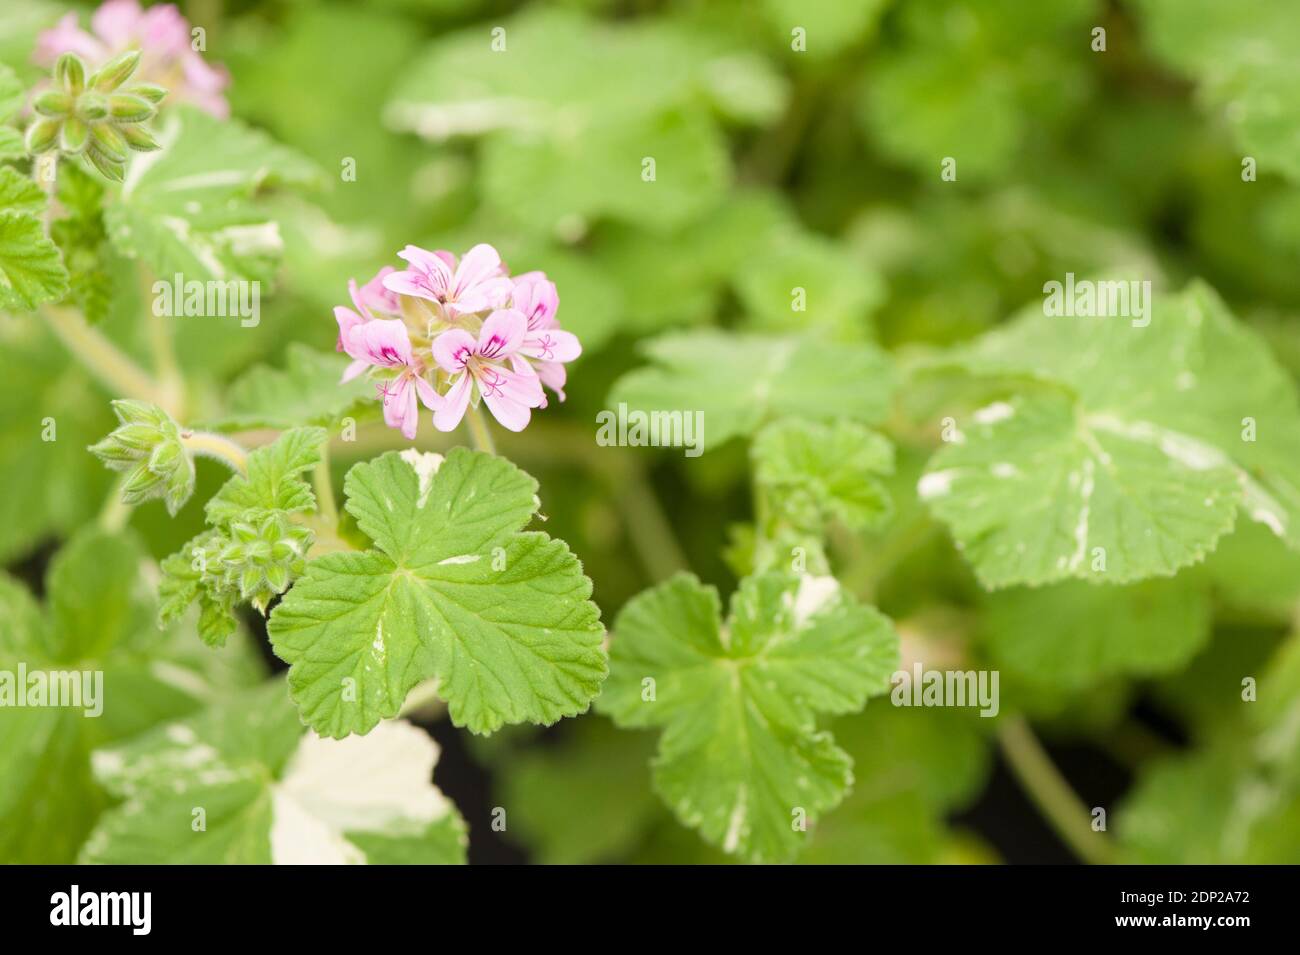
(264, 553)
(147, 445)
(95, 116)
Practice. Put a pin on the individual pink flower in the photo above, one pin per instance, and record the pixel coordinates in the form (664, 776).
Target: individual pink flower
(477, 283)
(486, 363)
(384, 343)
(162, 35)
(545, 342)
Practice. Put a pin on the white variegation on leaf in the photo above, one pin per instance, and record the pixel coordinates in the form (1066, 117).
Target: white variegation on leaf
(243, 783)
(1128, 451)
(741, 755)
(187, 208)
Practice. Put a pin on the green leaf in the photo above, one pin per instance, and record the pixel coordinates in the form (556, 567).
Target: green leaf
(31, 269)
(910, 768)
(98, 619)
(696, 261)
(1075, 634)
(11, 144)
(1211, 807)
(830, 26)
(1132, 459)
(242, 783)
(740, 755)
(570, 111)
(966, 82)
(831, 288)
(816, 473)
(600, 172)
(273, 481)
(193, 573)
(12, 93)
(19, 193)
(738, 382)
(1244, 61)
(99, 276)
(452, 589)
(306, 392)
(187, 208)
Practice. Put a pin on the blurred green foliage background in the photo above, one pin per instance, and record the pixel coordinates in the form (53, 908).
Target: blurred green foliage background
(782, 159)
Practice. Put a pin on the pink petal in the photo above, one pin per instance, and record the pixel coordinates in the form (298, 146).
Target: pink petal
(355, 294)
(483, 297)
(512, 414)
(400, 409)
(429, 271)
(203, 79)
(552, 344)
(163, 31)
(347, 320)
(502, 334)
(537, 298)
(432, 400)
(479, 264)
(452, 408)
(116, 21)
(374, 295)
(452, 349)
(354, 369)
(382, 342)
(67, 37)
(411, 282)
(553, 376)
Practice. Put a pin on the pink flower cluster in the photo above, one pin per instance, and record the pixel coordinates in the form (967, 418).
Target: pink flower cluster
(167, 54)
(447, 333)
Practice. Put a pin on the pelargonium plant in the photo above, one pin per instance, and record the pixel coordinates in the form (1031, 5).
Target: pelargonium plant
(933, 511)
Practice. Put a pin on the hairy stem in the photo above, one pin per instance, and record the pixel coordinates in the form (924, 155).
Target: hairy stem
(479, 434)
(218, 447)
(105, 361)
(1048, 789)
(326, 506)
(115, 512)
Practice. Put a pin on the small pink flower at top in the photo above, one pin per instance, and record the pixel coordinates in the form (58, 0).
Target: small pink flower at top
(383, 343)
(162, 35)
(477, 283)
(486, 364)
(544, 342)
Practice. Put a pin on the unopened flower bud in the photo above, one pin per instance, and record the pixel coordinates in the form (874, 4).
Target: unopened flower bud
(129, 108)
(116, 71)
(53, 103)
(147, 445)
(42, 136)
(70, 73)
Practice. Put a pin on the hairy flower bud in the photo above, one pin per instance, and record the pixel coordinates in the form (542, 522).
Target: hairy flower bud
(54, 103)
(70, 73)
(116, 71)
(42, 136)
(147, 445)
(264, 554)
(95, 117)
